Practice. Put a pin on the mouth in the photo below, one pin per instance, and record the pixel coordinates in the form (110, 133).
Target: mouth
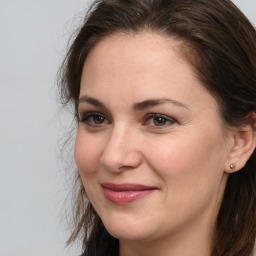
(126, 193)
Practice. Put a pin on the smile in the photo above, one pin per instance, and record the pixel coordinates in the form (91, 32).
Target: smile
(125, 193)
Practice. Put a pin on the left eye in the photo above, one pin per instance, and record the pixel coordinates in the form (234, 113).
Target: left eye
(158, 120)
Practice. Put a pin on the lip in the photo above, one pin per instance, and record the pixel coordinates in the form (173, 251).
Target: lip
(126, 193)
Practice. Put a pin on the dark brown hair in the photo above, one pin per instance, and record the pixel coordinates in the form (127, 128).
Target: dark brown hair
(220, 43)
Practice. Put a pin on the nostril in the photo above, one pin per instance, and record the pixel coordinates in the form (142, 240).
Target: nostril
(122, 161)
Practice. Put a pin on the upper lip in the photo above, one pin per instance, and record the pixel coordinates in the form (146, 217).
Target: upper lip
(127, 187)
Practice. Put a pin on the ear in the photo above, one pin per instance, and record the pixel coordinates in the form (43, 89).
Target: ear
(243, 143)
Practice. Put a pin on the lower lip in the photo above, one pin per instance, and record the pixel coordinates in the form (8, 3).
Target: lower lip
(125, 197)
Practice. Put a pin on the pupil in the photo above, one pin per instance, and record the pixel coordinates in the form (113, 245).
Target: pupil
(98, 119)
(158, 121)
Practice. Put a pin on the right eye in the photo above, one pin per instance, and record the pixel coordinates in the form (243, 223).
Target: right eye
(94, 119)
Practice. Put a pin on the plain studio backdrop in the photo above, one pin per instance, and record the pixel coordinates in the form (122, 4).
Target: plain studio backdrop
(33, 40)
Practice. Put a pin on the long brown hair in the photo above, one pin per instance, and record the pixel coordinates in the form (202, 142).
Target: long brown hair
(220, 43)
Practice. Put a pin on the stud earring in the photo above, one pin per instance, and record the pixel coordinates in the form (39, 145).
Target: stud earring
(233, 166)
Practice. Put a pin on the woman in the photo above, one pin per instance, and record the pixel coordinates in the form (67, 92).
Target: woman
(164, 94)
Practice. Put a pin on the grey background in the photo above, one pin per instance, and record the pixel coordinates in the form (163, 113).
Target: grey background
(33, 39)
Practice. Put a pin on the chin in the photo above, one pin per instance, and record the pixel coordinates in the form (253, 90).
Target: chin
(127, 230)
(128, 234)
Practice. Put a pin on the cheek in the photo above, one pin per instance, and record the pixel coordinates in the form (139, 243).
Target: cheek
(191, 179)
(190, 159)
(87, 154)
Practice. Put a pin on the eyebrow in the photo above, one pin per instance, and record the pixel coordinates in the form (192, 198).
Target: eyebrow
(154, 102)
(91, 101)
(137, 106)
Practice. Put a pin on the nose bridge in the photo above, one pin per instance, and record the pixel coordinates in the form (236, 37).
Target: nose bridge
(120, 149)
(119, 135)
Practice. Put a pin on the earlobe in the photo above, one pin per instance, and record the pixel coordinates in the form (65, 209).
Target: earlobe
(244, 143)
(233, 166)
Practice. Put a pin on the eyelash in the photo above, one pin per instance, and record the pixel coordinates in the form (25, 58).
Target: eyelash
(146, 122)
(86, 117)
(161, 117)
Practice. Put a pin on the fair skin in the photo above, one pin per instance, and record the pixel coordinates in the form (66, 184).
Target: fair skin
(175, 144)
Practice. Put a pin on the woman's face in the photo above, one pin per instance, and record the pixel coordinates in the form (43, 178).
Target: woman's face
(150, 145)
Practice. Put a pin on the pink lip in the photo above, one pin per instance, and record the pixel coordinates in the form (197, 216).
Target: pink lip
(125, 193)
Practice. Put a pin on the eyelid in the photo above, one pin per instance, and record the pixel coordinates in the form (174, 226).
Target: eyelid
(167, 118)
(84, 116)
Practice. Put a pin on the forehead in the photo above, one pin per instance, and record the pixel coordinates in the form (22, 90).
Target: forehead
(135, 57)
(142, 47)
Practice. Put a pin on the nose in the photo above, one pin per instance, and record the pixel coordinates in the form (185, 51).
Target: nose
(121, 151)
